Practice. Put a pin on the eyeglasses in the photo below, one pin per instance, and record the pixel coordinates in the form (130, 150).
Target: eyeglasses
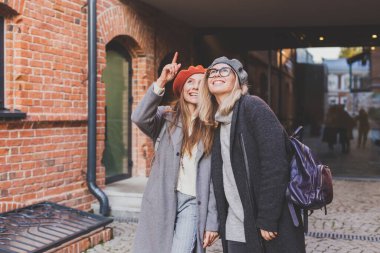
(223, 72)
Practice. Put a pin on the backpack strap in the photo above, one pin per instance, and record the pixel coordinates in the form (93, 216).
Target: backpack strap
(293, 213)
(298, 133)
(305, 220)
(292, 209)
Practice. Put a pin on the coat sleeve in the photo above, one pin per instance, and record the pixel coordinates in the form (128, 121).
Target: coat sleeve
(212, 223)
(148, 115)
(274, 170)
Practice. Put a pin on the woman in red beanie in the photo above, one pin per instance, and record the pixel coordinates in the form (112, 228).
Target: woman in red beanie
(178, 213)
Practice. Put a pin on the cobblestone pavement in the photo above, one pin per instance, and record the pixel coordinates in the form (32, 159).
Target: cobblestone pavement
(358, 163)
(354, 214)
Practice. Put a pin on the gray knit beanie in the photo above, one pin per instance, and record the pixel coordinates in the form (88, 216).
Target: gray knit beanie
(236, 65)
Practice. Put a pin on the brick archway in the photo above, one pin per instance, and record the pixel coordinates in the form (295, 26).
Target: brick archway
(119, 20)
(121, 23)
(15, 7)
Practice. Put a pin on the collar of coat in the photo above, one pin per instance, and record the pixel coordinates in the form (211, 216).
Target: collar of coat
(234, 120)
(170, 116)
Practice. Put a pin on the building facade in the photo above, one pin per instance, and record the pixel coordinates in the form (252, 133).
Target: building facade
(43, 118)
(340, 90)
(271, 77)
(43, 92)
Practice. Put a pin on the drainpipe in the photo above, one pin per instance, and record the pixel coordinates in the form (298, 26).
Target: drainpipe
(91, 137)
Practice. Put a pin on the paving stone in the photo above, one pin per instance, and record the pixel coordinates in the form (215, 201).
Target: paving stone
(354, 211)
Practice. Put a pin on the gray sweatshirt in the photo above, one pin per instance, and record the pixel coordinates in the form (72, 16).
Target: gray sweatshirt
(235, 217)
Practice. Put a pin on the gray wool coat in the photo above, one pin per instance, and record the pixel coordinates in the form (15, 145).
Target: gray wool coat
(259, 158)
(159, 204)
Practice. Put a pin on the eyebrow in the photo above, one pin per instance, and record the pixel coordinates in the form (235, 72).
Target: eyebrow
(225, 67)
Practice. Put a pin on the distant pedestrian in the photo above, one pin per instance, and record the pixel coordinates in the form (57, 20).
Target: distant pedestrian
(363, 128)
(330, 130)
(346, 125)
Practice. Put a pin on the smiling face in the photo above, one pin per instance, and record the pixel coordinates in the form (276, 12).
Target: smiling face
(221, 85)
(190, 89)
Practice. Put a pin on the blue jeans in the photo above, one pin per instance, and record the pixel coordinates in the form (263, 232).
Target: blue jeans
(185, 230)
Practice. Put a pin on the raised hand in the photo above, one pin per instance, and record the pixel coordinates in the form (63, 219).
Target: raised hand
(169, 72)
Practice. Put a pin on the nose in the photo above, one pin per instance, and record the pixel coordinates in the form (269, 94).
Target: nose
(196, 85)
(217, 74)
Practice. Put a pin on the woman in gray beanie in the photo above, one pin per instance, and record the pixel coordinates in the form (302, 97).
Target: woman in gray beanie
(249, 165)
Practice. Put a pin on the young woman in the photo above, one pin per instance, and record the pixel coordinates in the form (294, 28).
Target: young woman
(249, 165)
(363, 128)
(178, 208)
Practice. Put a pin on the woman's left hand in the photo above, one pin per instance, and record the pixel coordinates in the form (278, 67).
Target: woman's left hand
(209, 238)
(268, 235)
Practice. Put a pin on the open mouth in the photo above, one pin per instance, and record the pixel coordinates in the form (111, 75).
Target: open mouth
(218, 82)
(193, 94)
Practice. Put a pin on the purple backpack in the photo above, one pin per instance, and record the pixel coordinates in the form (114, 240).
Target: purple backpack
(310, 187)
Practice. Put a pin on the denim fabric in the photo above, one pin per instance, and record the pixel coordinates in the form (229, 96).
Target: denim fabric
(185, 231)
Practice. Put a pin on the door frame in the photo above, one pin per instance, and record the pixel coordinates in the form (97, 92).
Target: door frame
(115, 45)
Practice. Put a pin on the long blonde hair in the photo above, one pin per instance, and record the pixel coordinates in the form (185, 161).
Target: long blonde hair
(199, 130)
(208, 106)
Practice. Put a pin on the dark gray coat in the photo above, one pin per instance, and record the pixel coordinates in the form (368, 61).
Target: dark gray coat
(158, 211)
(256, 127)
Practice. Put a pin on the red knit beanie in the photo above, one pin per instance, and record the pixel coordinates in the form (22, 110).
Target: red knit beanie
(182, 77)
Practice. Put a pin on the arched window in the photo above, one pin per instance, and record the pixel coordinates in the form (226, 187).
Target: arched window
(117, 77)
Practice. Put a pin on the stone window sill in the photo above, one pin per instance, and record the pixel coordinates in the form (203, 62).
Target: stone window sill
(12, 114)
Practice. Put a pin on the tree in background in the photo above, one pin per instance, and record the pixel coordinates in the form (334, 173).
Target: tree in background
(347, 52)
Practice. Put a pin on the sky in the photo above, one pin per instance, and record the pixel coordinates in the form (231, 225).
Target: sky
(324, 52)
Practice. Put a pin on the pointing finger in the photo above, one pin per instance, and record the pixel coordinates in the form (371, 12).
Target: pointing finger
(175, 57)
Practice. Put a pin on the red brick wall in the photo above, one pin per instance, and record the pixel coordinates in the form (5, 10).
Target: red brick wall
(44, 161)
(85, 242)
(15, 5)
(44, 156)
(9, 206)
(149, 36)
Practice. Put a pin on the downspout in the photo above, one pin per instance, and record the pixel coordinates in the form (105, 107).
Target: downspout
(91, 137)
